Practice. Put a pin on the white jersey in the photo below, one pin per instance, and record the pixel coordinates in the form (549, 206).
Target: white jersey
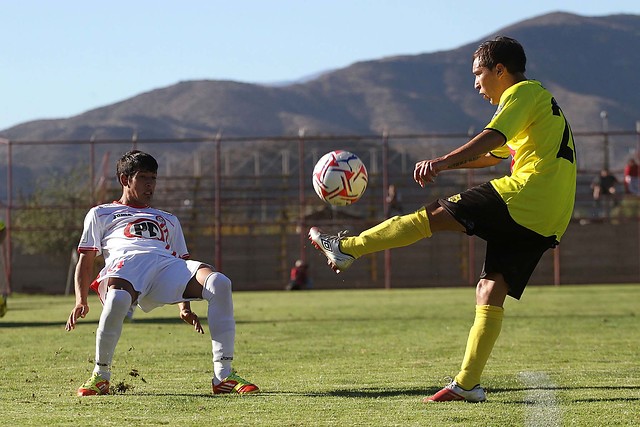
(142, 245)
(116, 230)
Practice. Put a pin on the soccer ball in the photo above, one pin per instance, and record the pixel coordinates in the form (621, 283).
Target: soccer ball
(340, 178)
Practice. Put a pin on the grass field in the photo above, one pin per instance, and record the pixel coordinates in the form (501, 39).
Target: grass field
(567, 356)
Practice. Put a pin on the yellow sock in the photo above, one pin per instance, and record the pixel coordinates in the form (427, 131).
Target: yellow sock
(392, 233)
(482, 336)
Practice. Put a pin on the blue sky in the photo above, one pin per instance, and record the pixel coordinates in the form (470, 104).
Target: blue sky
(62, 58)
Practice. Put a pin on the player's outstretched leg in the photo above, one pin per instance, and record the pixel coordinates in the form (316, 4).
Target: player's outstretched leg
(394, 232)
(330, 246)
(222, 327)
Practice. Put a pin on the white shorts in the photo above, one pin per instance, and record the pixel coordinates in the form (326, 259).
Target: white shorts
(159, 280)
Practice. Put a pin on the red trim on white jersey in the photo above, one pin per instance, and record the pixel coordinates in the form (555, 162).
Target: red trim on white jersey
(115, 230)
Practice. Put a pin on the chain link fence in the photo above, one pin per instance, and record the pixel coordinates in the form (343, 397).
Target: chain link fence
(246, 205)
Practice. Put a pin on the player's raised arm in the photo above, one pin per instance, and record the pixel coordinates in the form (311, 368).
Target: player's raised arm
(473, 154)
(82, 279)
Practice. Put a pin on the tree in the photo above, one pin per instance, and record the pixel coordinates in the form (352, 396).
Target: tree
(50, 219)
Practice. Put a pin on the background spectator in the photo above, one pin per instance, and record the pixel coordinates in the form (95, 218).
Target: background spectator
(631, 185)
(299, 276)
(604, 192)
(394, 199)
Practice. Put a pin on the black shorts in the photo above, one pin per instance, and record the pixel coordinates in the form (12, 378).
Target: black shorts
(512, 250)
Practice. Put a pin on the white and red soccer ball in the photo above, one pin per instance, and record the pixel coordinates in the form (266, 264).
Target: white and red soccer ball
(340, 178)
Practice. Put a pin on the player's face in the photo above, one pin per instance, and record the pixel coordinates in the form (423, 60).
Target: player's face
(140, 187)
(487, 82)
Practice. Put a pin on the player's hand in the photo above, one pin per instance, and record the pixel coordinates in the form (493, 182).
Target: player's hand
(191, 318)
(426, 171)
(79, 311)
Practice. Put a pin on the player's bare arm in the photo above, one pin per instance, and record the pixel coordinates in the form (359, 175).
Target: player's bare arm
(82, 279)
(190, 317)
(473, 154)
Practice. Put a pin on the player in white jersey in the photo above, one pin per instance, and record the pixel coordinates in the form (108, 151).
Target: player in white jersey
(146, 264)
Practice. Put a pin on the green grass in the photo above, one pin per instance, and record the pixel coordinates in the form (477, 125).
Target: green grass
(335, 358)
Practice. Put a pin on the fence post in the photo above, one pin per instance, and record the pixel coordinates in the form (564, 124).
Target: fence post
(301, 199)
(638, 178)
(92, 159)
(471, 248)
(217, 214)
(385, 189)
(9, 240)
(556, 266)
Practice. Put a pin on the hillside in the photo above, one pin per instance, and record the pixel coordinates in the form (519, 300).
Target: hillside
(589, 63)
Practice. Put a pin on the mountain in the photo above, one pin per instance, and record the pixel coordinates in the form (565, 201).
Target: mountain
(589, 63)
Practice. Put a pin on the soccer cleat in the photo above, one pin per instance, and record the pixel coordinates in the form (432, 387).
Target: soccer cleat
(3, 305)
(453, 392)
(234, 384)
(96, 385)
(330, 246)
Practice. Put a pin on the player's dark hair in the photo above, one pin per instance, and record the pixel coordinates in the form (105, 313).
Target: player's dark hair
(136, 161)
(502, 50)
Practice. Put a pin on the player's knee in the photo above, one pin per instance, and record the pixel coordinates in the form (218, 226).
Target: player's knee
(216, 284)
(483, 288)
(491, 290)
(115, 283)
(223, 283)
(116, 305)
(119, 299)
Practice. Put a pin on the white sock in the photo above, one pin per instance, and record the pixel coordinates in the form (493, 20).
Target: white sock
(221, 368)
(222, 325)
(116, 306)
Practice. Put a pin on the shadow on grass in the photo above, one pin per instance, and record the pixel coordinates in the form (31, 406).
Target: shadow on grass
(338, 393)
(377, 393)
(41, 324)
(203, 319)
(421, 392)
(176, 320)
(5, 324)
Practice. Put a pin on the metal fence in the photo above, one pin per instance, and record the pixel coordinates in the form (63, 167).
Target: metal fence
(246, 205)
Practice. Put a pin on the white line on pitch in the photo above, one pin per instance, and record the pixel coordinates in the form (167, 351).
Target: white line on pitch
(542, 408)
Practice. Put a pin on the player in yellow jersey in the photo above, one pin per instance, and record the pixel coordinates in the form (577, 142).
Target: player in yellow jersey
(520, 215)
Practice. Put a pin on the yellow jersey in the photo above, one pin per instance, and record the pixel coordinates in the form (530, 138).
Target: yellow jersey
(540, 192)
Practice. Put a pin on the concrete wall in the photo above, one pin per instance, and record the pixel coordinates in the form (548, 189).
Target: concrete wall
(591, 252)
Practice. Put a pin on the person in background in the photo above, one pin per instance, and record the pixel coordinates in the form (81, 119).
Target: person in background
(604, 193)
(299, 276)
(394, 201)
(146, 262)
(631, 176)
